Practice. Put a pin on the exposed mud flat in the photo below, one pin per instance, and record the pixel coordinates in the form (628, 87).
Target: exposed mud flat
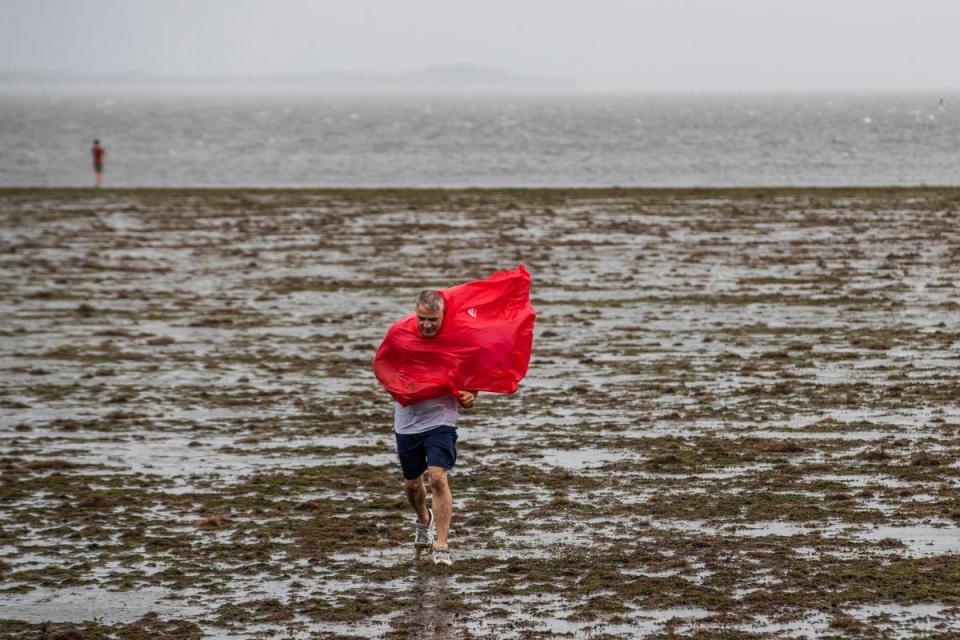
(742, 417)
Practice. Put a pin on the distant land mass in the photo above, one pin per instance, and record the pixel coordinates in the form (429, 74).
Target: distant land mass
(439, 78)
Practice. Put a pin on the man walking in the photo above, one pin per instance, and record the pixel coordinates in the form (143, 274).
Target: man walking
(468, 338)
(426, 434)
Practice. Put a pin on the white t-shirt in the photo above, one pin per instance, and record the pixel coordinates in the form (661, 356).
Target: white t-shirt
(426, 414)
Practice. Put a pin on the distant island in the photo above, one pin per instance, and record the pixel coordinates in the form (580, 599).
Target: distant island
(439, 78)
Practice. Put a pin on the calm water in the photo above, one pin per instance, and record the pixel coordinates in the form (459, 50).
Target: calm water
(482, 140)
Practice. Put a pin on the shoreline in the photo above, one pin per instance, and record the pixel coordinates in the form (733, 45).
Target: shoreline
(745, 191)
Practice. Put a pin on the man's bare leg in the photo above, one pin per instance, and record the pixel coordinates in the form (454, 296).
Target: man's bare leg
(442, 503)
(417, 496)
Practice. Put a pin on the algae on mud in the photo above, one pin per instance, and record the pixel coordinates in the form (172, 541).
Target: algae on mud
(742, 417)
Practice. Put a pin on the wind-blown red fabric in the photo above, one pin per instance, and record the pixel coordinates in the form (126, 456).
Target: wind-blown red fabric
(484, 342)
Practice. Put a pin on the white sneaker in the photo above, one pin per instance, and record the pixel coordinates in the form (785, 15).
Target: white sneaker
(441, 555)
(423, 538)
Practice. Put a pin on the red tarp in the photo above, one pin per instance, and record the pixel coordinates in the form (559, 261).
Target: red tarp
(483, 344)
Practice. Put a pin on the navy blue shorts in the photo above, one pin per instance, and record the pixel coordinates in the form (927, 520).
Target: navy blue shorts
(434, 448)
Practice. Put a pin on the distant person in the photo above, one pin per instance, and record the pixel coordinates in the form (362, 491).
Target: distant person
(98, 155)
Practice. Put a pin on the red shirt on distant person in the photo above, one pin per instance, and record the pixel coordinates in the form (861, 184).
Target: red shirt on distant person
(98, 153)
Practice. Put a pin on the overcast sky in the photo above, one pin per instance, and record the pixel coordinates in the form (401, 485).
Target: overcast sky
(641, 45)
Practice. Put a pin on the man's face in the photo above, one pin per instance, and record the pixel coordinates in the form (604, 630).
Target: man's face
(428, 321)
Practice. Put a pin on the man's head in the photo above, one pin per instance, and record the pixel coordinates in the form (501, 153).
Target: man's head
(429, 312)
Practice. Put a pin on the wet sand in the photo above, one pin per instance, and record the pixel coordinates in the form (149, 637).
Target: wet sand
(741, 420)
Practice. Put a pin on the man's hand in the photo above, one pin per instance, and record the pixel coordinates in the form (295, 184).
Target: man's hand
(466, 398)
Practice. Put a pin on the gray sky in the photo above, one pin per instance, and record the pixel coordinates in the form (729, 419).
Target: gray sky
(643, 45)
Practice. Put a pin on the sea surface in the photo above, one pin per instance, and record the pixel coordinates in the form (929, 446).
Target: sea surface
(476, 140)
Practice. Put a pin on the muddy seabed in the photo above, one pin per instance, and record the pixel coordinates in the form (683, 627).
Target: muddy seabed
(741, 420)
